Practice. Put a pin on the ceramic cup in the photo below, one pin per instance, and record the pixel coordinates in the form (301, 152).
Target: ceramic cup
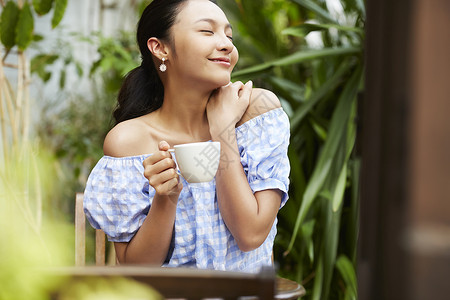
(197, 162)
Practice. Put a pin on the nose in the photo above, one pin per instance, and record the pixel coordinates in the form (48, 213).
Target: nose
(225, 44)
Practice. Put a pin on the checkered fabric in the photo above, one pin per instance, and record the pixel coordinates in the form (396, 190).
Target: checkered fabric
(118, 197)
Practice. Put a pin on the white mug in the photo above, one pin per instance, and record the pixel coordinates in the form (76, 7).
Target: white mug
(197, 162)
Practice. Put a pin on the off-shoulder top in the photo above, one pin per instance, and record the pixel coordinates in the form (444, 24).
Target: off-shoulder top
(118, 197)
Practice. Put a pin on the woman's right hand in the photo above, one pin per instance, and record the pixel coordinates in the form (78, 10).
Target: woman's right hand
(161, 171)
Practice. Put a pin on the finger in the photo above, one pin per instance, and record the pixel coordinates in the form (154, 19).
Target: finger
(167, 187)
(236, 86)
(156, 156)
(163, 177)
(164, 164)
(163, 146)
(153, 168)
(246, 92)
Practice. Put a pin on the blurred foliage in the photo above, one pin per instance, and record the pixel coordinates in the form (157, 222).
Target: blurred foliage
(36, 240)
(75, 128)
(17, 20)
(107, 289)
(31, 238)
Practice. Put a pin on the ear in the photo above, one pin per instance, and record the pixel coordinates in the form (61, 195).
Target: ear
(158, 48)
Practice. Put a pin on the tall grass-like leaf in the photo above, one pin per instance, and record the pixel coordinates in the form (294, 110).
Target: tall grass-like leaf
(8, 24)
(307, 232)
(361, 6)
(25, 27)
(58, 14)
(304, 29)
(295, 58)
(42, 7)
(338, 121)
(347, 271)
(352, 231)
(319, 11)
(328, 86)
(318, 281)
(331, 239)
(338, 194)
(332, 219)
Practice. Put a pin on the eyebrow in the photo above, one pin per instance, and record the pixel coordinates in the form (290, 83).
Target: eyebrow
(228, 25)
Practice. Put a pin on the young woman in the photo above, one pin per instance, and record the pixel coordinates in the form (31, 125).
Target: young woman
(180, 94)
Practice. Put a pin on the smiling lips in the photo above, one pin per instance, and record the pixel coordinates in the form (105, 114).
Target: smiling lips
(225, 61)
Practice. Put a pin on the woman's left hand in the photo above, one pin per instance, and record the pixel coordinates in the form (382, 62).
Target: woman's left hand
(227, 105)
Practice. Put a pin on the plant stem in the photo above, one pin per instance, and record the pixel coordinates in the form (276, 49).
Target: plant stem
(26, 112)
(19, 97)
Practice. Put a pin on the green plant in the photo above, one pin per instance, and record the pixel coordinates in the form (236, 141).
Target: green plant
(35, 241)
(317, 238)
(16, 34)
(76, 128)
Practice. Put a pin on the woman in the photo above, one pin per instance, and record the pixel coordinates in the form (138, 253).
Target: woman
(180, 94)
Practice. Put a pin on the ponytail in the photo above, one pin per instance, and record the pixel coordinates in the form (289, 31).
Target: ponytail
(141, 93)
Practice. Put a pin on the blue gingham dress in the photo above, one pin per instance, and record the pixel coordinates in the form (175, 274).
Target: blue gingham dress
(118, 197)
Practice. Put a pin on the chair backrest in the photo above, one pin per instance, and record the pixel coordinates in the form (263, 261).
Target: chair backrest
(80, 238)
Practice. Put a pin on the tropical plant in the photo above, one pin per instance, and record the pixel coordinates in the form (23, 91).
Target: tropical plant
(318, 87)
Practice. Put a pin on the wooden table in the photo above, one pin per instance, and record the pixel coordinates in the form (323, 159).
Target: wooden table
(191, 283)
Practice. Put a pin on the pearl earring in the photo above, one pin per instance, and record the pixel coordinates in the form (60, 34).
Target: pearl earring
(162, 66)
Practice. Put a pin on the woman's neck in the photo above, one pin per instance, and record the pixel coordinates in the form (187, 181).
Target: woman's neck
(184, 111)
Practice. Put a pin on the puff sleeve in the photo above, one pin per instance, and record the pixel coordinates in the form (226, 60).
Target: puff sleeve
(263, 143)
(117, 198)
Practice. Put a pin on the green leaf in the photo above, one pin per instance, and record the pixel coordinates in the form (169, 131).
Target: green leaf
(330, 245)
(297, 57)
(58, 14)
(37, 38)
(319, 130)
(318, 281)
(8, 24)
(338, 195)
(79, 68)
(328, 86)
(338, 122)
(361, 6)
(62, 79)
(347, 271)
(319, 11)
(42, 7)
(304, 29)
(39, 64)
(307, 232)
(42, 60)
(25, 26)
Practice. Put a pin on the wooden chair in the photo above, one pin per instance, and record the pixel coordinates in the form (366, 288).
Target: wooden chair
(80, 239)
(190, 283)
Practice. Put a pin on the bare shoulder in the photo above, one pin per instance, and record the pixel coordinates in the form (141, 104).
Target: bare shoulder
(261, 101)
(128, 138)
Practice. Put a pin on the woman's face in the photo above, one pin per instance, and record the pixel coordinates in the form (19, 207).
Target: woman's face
(204, 51)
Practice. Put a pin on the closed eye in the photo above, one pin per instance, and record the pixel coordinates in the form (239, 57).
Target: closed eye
(207, 31)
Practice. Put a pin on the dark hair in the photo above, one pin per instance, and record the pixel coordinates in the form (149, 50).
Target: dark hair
(142, 90)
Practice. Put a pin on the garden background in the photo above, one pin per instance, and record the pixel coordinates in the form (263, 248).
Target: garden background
(59, 85)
